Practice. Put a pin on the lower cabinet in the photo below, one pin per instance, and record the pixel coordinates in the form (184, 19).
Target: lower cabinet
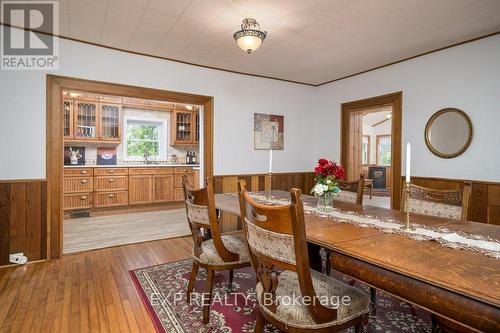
(139, 189)
(109, 199)
(108, 187)
(163, 188)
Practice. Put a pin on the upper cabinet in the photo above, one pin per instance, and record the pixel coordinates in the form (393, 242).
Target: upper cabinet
(86, 119)
(185, 127)
(92, 119)
(110, 122)
(68, 118)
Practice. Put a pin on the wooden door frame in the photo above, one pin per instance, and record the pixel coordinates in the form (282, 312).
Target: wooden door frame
(55, 141)
(396, 101)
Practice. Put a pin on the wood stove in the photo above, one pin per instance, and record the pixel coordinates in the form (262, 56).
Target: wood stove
(378, 174)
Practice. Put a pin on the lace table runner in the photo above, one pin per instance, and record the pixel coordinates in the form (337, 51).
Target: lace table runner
(446, 237)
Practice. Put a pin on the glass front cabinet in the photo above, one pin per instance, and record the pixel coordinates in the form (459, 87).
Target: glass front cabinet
(93, 120)
(185, 127)
(68, 118)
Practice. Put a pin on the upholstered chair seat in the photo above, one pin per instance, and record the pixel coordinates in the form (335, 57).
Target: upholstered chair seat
(329, 291)
(234, 243)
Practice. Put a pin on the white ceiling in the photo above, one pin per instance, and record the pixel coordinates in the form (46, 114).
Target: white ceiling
(308, 41)
(376, 116)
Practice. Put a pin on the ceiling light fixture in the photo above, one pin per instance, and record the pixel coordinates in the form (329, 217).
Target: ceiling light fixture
(249, 38)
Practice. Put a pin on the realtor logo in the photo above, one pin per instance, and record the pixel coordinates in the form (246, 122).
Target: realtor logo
(23, 47)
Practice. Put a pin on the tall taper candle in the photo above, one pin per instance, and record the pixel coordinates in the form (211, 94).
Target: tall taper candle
(408, 161)
(271, 160)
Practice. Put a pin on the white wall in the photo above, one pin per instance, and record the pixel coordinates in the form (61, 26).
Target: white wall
(236, 98)
(466, 77)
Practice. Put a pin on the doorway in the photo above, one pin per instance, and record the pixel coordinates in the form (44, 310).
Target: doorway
(371, 145)
(56, 85)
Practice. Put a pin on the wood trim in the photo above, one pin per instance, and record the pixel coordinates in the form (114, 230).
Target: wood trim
(257, 75)
(396, 101)
(380, 122)
(55, 86)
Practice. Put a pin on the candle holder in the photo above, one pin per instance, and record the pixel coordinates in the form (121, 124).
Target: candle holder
(407, 226)
(268, 185)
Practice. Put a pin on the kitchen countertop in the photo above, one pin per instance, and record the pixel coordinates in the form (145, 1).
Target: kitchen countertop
(133, 166)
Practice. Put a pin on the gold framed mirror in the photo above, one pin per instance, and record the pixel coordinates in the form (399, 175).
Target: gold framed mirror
(448, 133)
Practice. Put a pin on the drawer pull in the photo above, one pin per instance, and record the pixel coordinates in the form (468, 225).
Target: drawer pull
(84, 181)
(83, 172)
(83, 197)
(111, 171)
(111, 180)
(111, 196)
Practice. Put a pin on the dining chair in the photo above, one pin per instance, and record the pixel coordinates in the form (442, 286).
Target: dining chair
(351, 191)
(220, 252)
(290, 295)
(451, 204)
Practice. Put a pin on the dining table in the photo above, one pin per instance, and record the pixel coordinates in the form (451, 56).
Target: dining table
(460, 286)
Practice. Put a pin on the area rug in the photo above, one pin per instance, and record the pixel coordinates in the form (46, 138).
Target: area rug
(163, 291)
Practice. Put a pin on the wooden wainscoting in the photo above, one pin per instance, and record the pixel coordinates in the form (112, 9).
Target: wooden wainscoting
(23, 219)
(484, 204)
(257, 182)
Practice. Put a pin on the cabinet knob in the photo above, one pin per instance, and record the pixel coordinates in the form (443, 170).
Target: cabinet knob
(83, 197)
(83, 172)
(111, 180)
(111, 171)
(84, 181)
(111, 196)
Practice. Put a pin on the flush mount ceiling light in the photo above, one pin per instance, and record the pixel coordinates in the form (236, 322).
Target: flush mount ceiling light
(249, 38)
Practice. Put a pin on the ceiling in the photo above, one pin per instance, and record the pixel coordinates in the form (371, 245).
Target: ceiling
(376, 116)
(308, 41)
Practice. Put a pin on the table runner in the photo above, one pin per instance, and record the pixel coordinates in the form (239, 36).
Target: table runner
(446, 237)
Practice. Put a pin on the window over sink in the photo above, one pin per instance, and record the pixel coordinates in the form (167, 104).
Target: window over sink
(144, 138)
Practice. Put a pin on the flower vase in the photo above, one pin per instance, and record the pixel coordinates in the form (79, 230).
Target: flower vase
(325, 202)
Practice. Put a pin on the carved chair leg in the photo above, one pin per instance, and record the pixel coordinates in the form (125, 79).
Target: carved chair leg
(362, 325)
(328, 263)
(373, 300)
(231, 277)
(192, 280)
(207, 299)
(259, 323)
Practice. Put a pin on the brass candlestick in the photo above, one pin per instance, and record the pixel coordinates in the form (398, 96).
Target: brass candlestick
(407, 226)
(268, 184)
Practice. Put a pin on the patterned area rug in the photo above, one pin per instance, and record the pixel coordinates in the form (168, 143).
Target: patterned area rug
(163, 291)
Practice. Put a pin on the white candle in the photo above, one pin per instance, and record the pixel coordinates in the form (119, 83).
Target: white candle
(408, 161)
(271, 160)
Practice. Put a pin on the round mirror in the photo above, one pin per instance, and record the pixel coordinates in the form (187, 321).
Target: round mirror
(448, 133)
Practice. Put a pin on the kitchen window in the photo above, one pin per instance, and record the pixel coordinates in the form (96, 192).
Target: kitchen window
(384, 149)
(144, 137)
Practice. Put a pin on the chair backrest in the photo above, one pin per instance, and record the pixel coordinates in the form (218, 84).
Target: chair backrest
(201, 214)
(452, 204)
(352, 191)
(276, 238)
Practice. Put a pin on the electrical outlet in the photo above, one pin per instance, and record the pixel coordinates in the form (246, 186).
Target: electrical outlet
(18, 258)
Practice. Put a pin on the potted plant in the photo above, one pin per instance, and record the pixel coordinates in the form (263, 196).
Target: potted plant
(328, 173)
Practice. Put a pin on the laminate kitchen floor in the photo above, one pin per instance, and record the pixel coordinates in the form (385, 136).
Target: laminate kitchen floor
(91, 233)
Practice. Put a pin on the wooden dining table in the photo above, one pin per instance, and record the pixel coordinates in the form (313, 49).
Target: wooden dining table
(460, 286)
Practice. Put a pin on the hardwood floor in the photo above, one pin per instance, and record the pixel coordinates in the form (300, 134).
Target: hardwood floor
(89, 233)
(85, 292)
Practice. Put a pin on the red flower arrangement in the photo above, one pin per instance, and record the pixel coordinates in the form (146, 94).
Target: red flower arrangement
(327, 168)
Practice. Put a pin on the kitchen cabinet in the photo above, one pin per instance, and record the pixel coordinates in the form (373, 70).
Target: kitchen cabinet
(85, 119)
(109, 199)
(110, 116)
(68, 118)
(185, 127)
(163, 188)
(140, 187)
